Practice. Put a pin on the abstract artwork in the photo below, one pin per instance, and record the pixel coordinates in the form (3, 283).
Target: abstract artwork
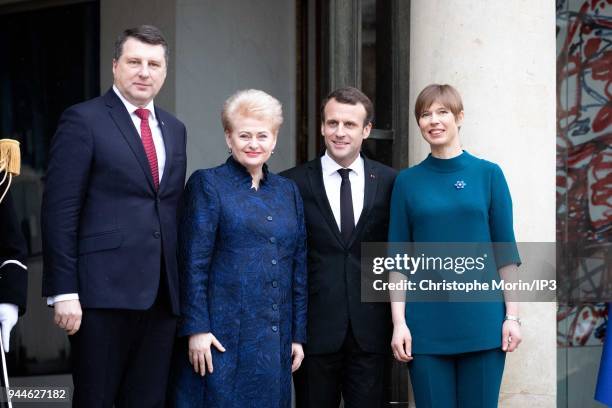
(584, 163)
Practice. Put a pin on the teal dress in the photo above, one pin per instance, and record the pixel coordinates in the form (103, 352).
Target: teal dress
(458, 360)
(463, 199)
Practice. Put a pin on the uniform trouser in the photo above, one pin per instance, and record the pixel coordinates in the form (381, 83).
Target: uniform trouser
(458, 380)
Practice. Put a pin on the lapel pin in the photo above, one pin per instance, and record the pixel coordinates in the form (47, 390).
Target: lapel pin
(460, 184)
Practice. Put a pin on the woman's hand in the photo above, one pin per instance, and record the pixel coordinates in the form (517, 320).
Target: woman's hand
(401, 343)
(200, 355)
(297, 355)
(511, 335)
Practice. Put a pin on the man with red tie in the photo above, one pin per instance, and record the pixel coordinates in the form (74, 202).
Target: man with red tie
(115, 176)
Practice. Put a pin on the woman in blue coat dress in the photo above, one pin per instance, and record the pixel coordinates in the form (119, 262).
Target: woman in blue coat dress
(243, 275)
(456, 350)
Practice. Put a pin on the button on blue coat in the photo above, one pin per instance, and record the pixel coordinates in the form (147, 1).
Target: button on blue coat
(242, 258)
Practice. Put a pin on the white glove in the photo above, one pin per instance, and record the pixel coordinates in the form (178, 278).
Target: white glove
(8, 318)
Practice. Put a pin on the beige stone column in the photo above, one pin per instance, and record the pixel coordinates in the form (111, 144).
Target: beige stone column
(501, 57)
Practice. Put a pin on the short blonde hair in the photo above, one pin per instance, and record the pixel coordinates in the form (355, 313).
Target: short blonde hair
(445, 95)
(252, 103)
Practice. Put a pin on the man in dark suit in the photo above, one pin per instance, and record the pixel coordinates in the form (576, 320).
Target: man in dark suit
(346, 202)
(115, 176)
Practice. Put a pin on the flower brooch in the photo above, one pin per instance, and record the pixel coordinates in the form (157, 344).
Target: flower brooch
(460, 184)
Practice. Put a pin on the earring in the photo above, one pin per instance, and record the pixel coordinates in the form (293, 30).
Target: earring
(229, 150)
(272, 152)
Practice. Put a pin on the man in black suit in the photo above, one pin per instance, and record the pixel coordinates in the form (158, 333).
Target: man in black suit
(346, 202)
(115, 176)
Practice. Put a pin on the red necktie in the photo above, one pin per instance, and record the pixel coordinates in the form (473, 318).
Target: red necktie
(147, 142)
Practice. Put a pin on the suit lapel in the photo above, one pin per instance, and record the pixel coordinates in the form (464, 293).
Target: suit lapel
(315, 179)
(167, 136)
(122, 119)
(370, 185)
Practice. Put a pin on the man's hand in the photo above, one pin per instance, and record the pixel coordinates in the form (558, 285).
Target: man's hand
(8, 318)
(200, 354)
(68, 315)
(297, 355)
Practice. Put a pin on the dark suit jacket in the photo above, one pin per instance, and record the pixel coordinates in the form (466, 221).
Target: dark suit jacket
(334, 272)
(13, 277)
(106, 231)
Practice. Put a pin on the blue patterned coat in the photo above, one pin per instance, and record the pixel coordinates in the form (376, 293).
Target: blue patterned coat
(242, 257)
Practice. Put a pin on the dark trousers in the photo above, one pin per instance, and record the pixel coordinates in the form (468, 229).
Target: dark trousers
(122, 357)
(350, 372)
(459, 380)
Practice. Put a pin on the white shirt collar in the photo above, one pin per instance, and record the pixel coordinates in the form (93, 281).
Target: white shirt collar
(329, 165)
(131, 108)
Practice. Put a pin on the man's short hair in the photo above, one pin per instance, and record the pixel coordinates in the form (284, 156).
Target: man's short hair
(147, 34)
(351, 96)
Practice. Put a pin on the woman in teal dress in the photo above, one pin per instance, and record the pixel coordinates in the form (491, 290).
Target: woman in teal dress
(456, 350)
(242, 257)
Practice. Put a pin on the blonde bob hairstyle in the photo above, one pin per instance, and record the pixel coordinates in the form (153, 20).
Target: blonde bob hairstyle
(252, 103)
(445, 95)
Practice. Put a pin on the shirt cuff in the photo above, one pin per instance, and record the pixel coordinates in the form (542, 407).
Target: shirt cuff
(51, 300)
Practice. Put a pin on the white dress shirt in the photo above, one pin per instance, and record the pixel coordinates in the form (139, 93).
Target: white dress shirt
(332, 181)
(158, 140)
(160, 151)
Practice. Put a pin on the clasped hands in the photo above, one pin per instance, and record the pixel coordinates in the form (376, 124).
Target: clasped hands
(200, 354)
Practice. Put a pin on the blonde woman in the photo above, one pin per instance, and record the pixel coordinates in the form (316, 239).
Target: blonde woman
(243, 275)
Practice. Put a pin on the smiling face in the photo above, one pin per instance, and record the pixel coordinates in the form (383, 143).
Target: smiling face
(439, 127)
(251, 140)
(344, 131)
(140, 71)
